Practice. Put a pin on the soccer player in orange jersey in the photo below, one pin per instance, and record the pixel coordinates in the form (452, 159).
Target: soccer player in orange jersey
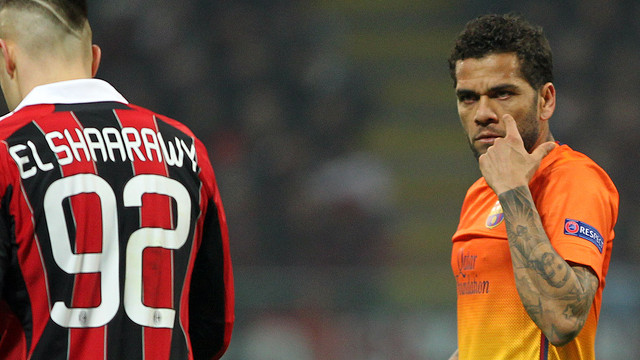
(533, 245)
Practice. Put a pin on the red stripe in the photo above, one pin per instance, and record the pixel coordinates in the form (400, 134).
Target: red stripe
(83, 342)
(29, 254)
(13, 342)
(34, 272)
(544, 347)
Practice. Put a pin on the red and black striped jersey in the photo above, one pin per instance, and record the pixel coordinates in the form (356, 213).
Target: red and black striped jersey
(113, 239)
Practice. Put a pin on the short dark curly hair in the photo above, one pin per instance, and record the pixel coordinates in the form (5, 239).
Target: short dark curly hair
(508, 33)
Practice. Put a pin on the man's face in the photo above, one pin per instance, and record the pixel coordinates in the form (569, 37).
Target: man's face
(488, 88)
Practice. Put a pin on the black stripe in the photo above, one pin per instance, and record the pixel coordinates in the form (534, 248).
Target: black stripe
(206, 303)
(123, 336)
(96, 106)
(14, 288)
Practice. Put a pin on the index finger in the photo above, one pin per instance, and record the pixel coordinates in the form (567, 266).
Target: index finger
(511, 127)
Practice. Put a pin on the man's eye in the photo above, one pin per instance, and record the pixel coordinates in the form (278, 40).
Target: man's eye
(504, 94)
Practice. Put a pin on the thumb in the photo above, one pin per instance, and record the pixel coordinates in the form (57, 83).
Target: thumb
(543, 150)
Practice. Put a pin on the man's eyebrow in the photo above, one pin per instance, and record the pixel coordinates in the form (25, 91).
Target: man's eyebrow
(493, 89)
(503, 87)
(467, 92)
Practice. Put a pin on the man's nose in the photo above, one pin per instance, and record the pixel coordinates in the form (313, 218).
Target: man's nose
(485, 113)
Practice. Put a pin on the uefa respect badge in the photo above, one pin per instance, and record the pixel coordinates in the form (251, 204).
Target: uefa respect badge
(584, 231)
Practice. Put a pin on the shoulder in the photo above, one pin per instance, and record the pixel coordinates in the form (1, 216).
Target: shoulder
(163, 118)
(171, 127)
(14, 121)
(568, 164)
(479, 185)
(566, 173)
(478, 193)
(565, 156)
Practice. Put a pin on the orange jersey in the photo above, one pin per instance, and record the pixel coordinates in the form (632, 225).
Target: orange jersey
(578, 205)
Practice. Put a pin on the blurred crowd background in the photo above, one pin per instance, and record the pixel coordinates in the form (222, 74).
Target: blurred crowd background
(333, 131)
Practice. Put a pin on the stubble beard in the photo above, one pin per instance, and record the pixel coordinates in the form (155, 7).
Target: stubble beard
(529, 132)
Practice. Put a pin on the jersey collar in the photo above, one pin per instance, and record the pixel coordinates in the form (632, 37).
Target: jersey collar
(72, 92)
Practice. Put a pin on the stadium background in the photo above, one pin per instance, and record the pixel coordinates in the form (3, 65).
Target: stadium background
(333, 131)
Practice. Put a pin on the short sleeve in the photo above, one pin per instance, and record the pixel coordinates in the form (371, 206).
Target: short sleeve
(578, 205)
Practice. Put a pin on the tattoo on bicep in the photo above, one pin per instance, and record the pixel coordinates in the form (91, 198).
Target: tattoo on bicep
(553, 269)
(588, 280)
(579, 301)
(534, 310)
(546, 283)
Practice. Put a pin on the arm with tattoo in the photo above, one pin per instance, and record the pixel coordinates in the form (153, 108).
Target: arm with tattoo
(556, 295)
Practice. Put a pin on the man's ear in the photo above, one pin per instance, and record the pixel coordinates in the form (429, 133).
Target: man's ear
(96, 53)
(7, 56)
(547, 101)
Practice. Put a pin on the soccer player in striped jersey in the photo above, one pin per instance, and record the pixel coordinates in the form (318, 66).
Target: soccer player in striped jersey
(113, 239)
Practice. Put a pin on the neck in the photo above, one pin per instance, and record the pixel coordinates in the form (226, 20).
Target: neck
(31, 75)
(545, 136)
(550, 137)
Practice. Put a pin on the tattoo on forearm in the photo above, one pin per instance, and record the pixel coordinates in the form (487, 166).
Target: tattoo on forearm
(549, 287)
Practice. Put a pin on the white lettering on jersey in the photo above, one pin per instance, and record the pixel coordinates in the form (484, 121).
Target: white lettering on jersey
(108, 144)
(60, 148)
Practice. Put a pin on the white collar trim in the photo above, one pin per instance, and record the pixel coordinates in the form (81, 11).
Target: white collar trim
(72, 92)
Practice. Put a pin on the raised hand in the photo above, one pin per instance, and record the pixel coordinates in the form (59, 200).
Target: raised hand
(507, 165)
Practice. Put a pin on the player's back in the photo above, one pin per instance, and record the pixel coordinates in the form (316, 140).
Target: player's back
(103, 203)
